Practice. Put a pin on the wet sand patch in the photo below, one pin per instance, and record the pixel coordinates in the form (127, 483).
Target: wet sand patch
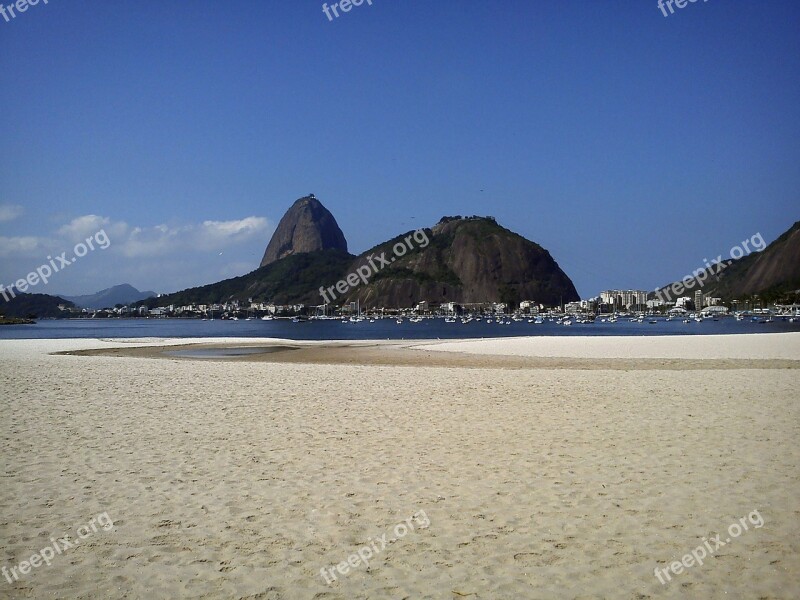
(413, 355)
(225, 351)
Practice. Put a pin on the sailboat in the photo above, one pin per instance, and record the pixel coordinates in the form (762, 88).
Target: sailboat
(358, 318)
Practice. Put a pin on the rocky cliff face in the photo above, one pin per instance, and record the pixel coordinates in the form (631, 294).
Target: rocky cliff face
(773, 273)
(306, 227)
(466, 261)
(775, 269)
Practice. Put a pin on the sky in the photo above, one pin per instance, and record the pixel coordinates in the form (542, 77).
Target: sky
(630, 145)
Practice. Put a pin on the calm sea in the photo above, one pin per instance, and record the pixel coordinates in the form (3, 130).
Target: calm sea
(380, 329)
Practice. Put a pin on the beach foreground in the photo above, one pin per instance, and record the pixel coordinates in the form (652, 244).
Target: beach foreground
(503, 468)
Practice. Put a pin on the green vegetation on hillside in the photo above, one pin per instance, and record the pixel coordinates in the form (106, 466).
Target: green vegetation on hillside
(294, 279)
(33, 306)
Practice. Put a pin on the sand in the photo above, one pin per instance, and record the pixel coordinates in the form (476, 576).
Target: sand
(540, 475)
(774, 346)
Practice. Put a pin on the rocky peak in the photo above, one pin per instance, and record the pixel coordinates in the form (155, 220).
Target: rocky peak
(306, 227)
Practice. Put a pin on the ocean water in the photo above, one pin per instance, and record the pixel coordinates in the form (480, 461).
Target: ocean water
(380, 329)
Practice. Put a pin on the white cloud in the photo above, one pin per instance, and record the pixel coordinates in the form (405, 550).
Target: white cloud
(163, 257)
(153, 241)
(9, 212)
(235, 229)
(16, 246)
(196, 238)
(82, 227)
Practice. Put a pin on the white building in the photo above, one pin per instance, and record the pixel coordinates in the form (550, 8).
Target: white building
(699, 300)
(449, 308)
(624, 298)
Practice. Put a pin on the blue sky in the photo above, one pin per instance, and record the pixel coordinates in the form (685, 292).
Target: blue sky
(630, 145)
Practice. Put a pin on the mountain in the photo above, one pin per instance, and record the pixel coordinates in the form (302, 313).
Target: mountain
(119, 294)
(772, 274)
(306, 227)
(463, 260)
(769, 273)
(32, 306)
(291, 280)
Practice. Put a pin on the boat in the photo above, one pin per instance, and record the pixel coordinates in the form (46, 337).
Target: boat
(267, 318)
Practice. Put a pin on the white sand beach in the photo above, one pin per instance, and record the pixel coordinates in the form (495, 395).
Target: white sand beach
(736, 346)
(244, 478)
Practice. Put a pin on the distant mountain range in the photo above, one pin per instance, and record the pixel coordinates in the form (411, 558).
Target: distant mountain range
(46, 306)
(464, 260)
(124, 294)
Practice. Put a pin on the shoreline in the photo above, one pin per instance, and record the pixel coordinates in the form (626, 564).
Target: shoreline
(769, 351)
